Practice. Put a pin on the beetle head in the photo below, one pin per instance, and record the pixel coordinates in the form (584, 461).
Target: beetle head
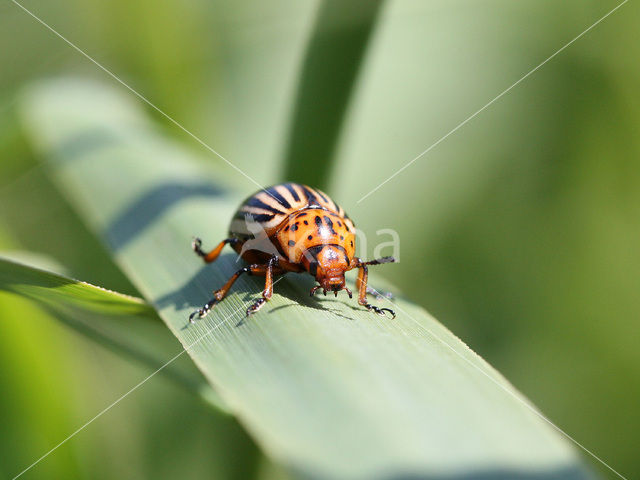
(327, 263)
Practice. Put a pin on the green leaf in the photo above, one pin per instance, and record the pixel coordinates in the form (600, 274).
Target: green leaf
(326, 388)
(120, 322)
(335, 52)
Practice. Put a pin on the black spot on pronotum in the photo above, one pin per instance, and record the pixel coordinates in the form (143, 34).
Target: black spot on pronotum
(291, 243)
(330, 225)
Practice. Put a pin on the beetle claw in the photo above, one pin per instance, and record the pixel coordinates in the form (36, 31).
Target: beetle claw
(393, 314)
(196, 244)
(380, 311)
(202, 312)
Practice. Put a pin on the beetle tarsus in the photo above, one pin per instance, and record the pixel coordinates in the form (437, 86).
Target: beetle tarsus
(380, 311)
(256, 306)
(196, 245)
(202, 312)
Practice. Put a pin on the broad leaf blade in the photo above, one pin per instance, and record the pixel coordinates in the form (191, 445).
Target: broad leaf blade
(120, 322)
(326, 388)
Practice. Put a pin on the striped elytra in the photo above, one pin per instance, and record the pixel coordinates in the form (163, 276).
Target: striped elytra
(272, 206)
(292, 228)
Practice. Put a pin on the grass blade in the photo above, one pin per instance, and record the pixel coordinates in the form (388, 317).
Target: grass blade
(120, 322)
(332, 61)
(326, 389)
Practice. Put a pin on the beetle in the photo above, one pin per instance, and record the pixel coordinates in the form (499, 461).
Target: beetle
(292, 228)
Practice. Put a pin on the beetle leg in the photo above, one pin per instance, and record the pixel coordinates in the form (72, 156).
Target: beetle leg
(268, 287)
(218, 295)
(361, 284)
(211, 256)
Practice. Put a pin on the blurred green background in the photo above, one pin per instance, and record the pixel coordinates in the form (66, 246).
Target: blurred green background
(519, 232)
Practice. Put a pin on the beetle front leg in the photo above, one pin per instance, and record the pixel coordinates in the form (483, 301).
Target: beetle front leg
(218, 295)
(268, 286)
(361, 284)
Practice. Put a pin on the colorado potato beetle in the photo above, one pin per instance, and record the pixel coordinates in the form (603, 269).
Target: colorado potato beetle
(292, 228)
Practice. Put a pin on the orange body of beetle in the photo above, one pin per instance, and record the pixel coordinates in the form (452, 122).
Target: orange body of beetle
(292, 228)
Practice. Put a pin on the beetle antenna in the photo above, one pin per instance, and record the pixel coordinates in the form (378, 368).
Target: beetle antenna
(377, 261)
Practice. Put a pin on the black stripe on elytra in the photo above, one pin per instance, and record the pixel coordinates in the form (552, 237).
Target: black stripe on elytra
(330, 225)
(322, 196)
(292, 191)
(262, 218)
(278, 196)
(257, 203)
(311, 198)
(318, 220)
